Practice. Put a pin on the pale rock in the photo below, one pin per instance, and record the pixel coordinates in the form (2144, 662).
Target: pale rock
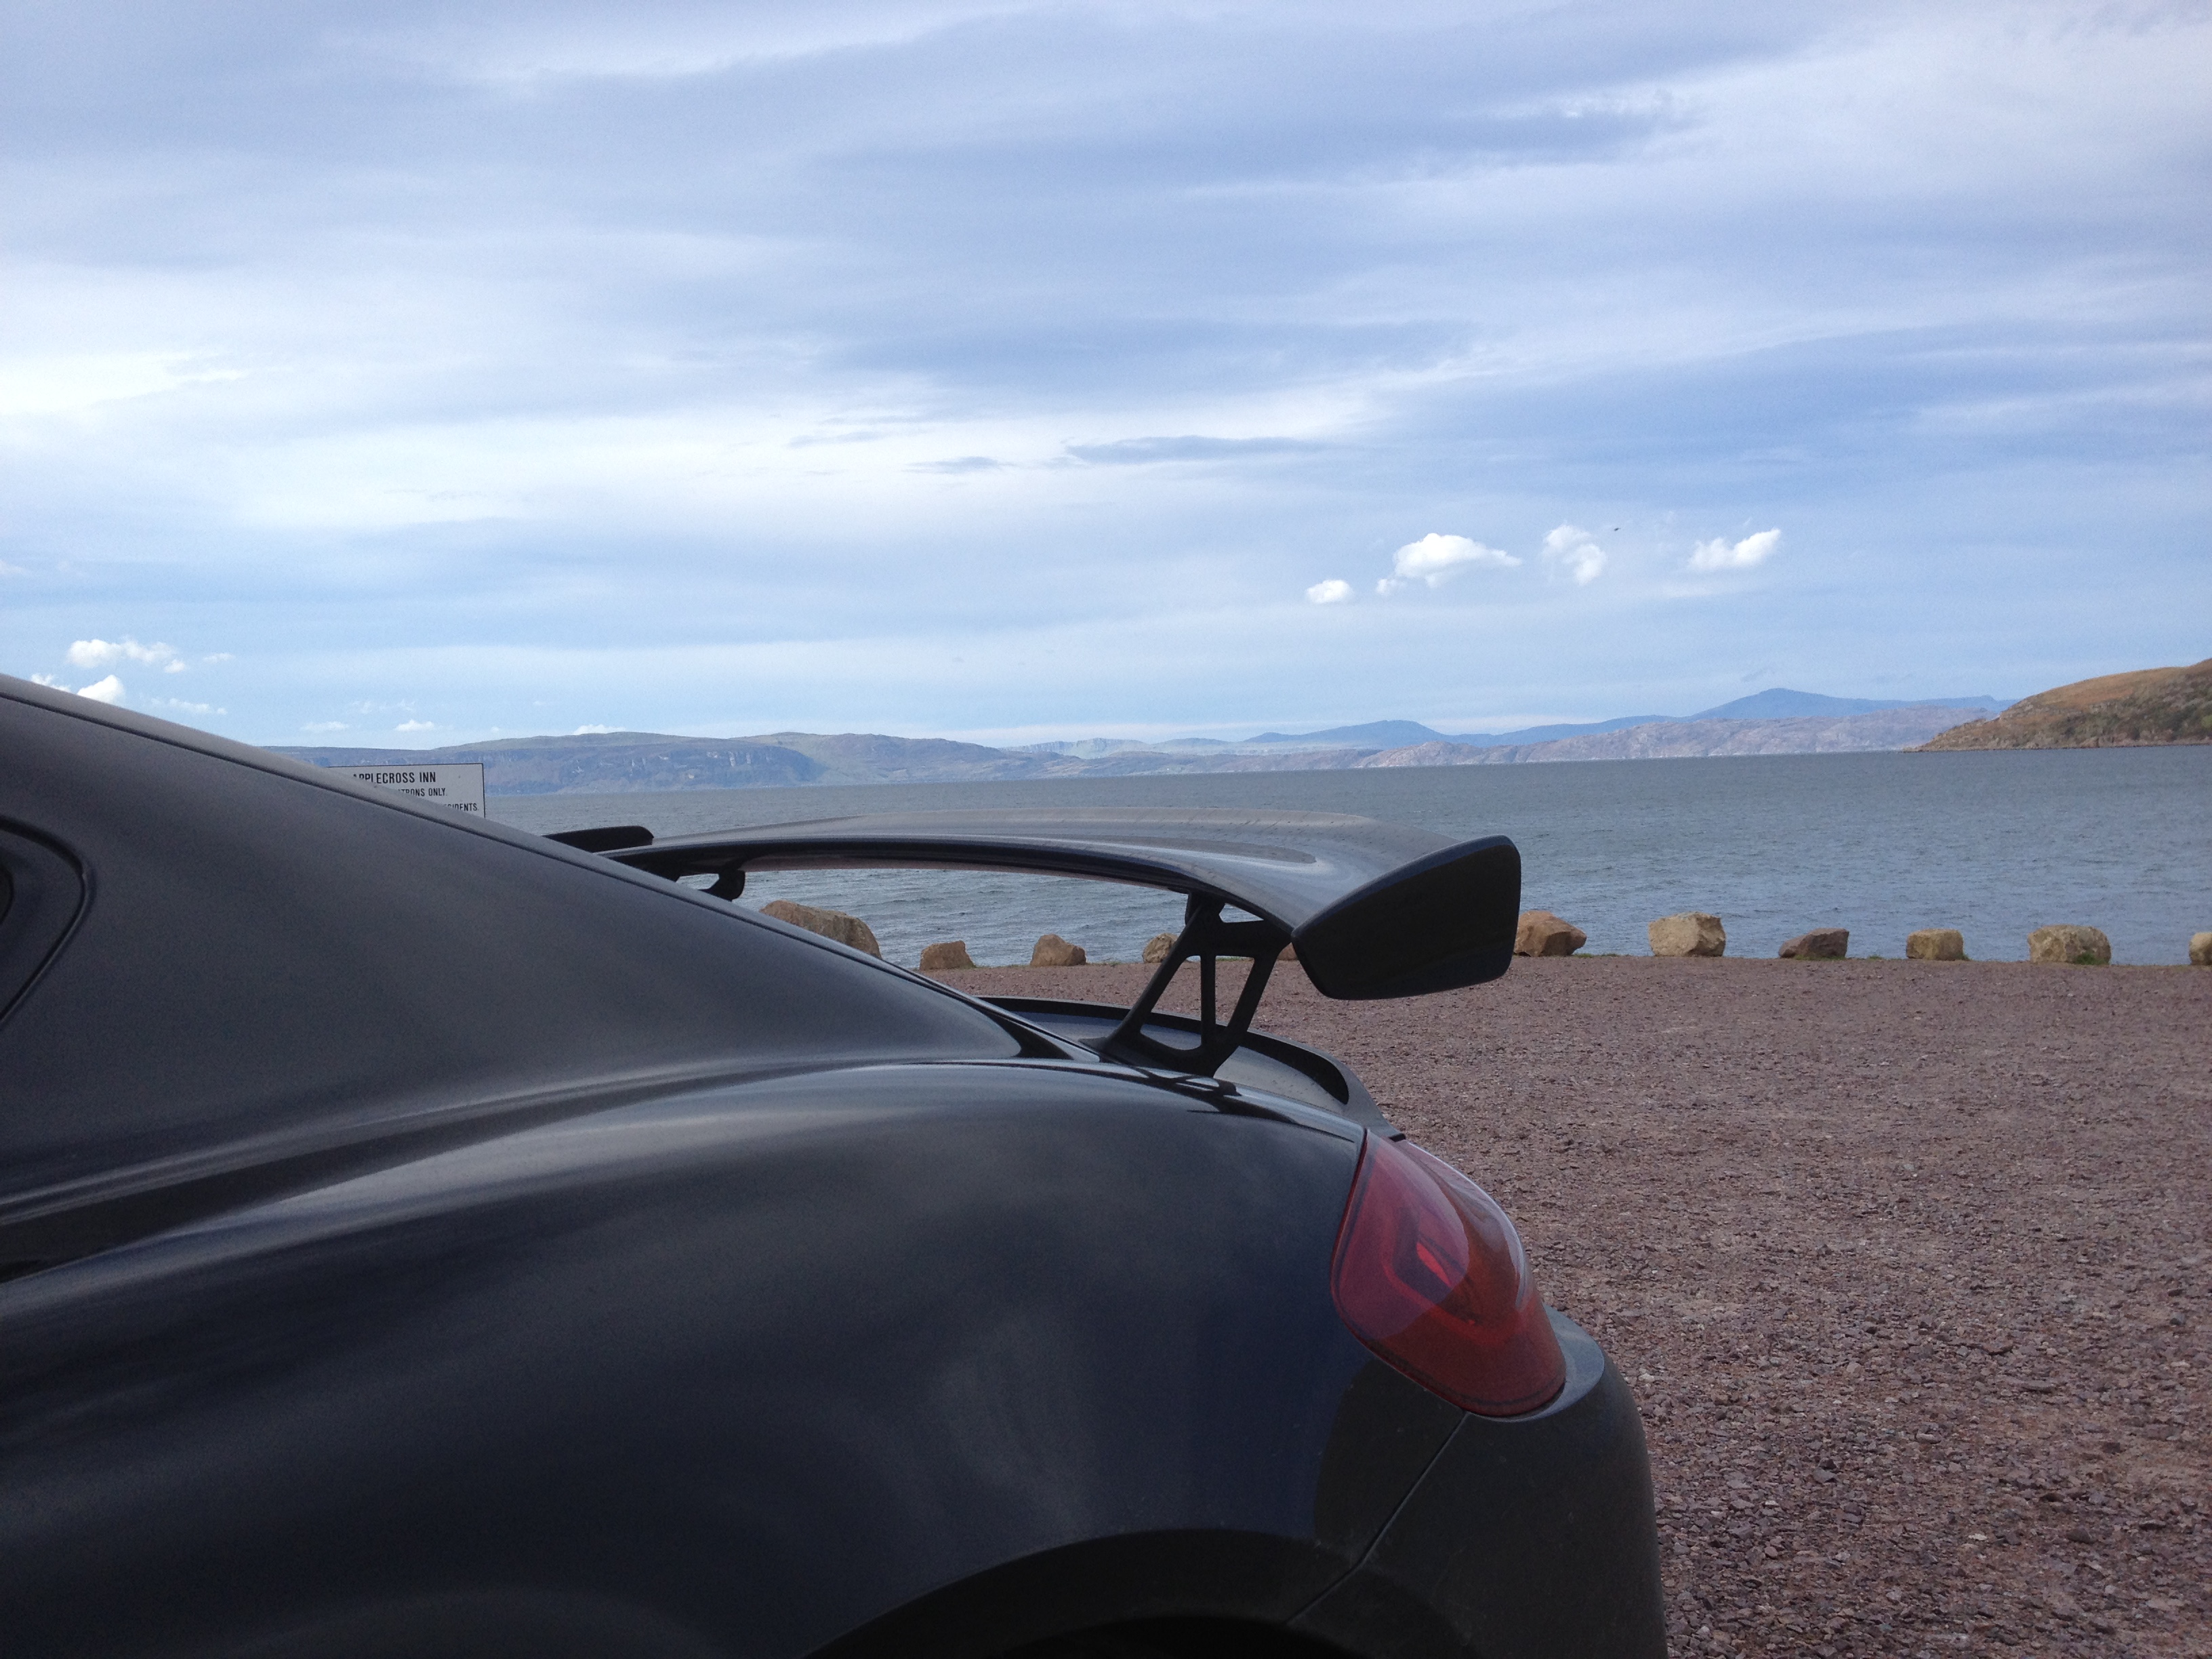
(953, 953)
(1821, 945)
(1935, 945)
(2200, 950)
(1543, 934)
(1692, 934)
(1053, 951)
(830, 924)
(2064, 942)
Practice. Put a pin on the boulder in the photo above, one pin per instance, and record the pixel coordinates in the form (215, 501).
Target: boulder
(1692, 934)
(1053, 951)
(1543, 934)
(830, 924)
(2066, 943)
(2200, 950)
(1935, 945)
(1821, 945)
(1160, 946)
(953, 953)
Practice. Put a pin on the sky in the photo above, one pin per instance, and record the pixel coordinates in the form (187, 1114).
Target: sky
(397, 374)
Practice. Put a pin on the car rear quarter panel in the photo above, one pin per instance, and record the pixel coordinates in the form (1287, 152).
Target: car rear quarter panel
(742, 1370)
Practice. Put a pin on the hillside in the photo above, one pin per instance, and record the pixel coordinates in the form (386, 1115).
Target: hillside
(601, 762)
(623, 763)
(2151, 705)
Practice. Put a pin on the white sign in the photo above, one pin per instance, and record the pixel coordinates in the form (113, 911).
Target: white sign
(459, 785)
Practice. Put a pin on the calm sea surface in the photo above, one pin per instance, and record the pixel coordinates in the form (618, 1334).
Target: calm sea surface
(1992, 843)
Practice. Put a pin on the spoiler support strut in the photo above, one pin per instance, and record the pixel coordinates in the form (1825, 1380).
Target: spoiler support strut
(1207, 936)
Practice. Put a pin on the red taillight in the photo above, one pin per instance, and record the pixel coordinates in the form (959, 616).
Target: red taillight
(1430, 1274)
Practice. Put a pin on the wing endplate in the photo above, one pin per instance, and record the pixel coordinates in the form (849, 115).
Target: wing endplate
(1437, 924)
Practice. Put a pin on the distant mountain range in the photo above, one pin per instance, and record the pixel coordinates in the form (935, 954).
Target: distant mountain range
(1776, 722)
(1691, 739)
(1777, 704)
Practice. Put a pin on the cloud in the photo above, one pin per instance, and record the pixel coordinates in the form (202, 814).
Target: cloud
(104, 690)
(1576, 550)
(567, 303)
(1145, 451)
(1332, 592)
(416, 725)
(325, 725)
(107, 654)
(188, 707)
(960, 464)
(590, 731)
(1719, 554)
(1434, 558)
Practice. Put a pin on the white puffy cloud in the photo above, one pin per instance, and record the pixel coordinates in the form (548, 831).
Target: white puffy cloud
(104, 690)
(1334, 591)
(1720, 554)
(1578, 551)
(590, 731)
(107, 654)
(324, 725)
(1435, 557)
(416, 725)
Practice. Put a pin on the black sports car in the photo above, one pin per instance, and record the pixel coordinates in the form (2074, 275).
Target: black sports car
(421, 1238)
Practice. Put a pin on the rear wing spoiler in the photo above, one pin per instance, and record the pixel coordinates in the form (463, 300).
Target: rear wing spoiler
(1374, 911)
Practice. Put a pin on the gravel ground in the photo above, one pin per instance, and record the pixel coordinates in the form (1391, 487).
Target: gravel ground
(1907, 1262)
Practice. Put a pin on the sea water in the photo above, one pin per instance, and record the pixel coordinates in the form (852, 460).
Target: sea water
(1993, 843)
